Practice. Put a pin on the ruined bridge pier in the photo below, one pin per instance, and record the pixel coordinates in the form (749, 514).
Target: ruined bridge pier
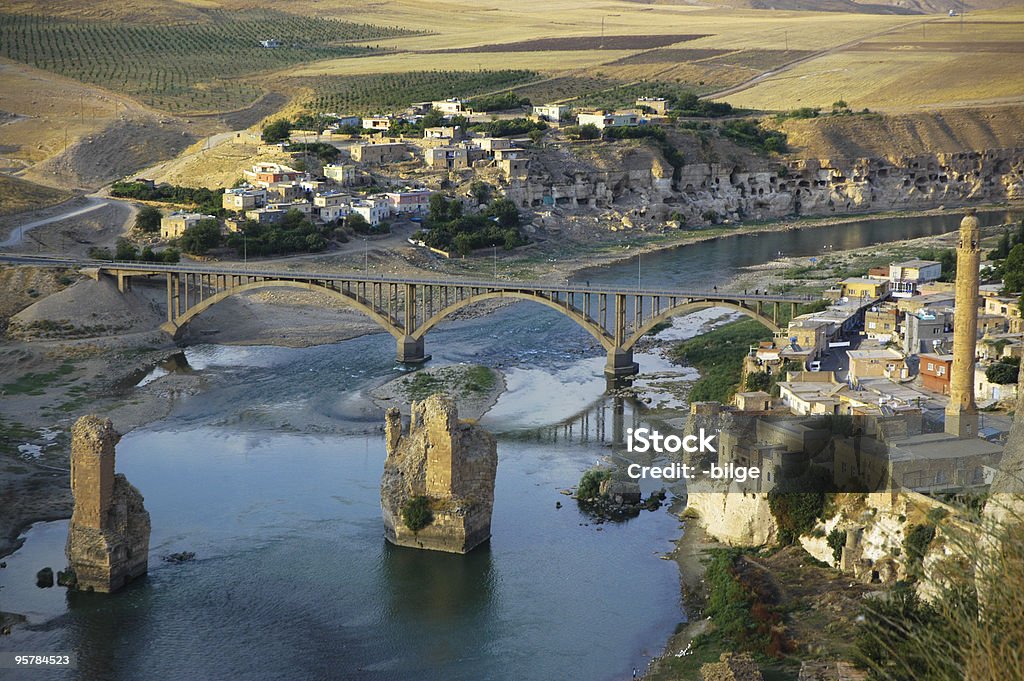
(409, 308)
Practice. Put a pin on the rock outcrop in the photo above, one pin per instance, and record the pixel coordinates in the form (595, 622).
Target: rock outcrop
(443, 466)
(762, 189)
(108, 538)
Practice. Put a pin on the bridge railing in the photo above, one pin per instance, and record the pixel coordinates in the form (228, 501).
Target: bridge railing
(533, 287)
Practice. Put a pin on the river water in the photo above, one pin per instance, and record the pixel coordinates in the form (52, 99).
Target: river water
(272, 477)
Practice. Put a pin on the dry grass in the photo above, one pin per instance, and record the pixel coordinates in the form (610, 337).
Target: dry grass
(18, 195)
(924, 66)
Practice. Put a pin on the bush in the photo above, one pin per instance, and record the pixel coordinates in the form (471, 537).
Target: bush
(506, 100)
(750, 134)
(416, 513)
(836, 541)
(449, 230)
(590, 483)
(589, 131)
(797, 503)
(916, 544)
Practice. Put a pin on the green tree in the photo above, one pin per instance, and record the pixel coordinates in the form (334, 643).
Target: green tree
(148, 219)
(1013, 277)
(126, 250)
(480, 190)
(1004, 372)
(200, 237)
(505, 212)
(277, 131)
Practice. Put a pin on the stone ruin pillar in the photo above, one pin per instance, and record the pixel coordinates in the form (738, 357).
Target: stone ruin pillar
(108, 538)
(441, 464)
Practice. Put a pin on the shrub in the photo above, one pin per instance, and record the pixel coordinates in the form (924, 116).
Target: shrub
(416, 513)
(1003, 372)
(798, 503)
(916, 545)
(590, 483)
(836, 541)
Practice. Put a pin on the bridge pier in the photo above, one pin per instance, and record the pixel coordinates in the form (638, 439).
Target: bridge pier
(620, 363)
(411, 350)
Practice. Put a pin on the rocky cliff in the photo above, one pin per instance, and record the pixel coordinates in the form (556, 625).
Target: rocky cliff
(108, 538)
(645, 186)
(442, 470)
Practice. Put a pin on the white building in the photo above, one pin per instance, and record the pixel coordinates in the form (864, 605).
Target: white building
(551, 112)
(609, 120)
(374, 209)
(449, 106)
(377, 122)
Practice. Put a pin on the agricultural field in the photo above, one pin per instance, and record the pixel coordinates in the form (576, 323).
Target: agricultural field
(384, 92)
(938, 63)
(181, 68)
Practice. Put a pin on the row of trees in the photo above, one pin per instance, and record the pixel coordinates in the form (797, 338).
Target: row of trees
(204, 200)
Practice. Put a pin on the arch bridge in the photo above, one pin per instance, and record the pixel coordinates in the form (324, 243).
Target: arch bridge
(408, 308)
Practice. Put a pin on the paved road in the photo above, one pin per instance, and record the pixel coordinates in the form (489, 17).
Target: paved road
(18, 233)
(300, 274)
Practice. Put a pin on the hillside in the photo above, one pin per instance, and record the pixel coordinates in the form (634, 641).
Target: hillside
(908, 134)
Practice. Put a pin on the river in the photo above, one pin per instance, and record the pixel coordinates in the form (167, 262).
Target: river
(272, 477)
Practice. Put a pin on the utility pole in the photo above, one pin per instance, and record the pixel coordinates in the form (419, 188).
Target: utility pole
(638, 255)
(786, 36)
(495, 262)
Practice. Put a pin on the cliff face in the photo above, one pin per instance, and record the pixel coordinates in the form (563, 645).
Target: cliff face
(108, 538)
(763, 189)
(451, 465)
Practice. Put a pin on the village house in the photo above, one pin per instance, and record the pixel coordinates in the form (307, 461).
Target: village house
(343, 174)
(658, 105)
(446, 133)
(926, 330)
(934, 371)
(811, 393)
(377, 123)
(552, 113)
(862, 287)
(514, 167)
(373, 209)
(378, 154)
(880, 321)
(284, 191)
(265, 174)
(331, 205)
(489, 145)
(876, 363)
(243, 198)
(453, 156)
(1008, 308)
(906, 276)
(409, 201)
(174, 225)
(986, 391)
(449, 106)
(809, 334)
(999, 345)
(608, 120)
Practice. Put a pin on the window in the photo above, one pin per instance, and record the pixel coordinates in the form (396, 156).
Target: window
(942, 371)
(931, 366)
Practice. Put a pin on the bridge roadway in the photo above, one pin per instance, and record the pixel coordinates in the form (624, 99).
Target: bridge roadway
(408, 307)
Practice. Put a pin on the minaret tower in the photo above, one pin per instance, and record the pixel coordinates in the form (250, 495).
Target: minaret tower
(961, 412)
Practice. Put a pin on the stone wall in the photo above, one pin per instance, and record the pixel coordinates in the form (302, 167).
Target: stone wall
(452, 464)
(108, 538)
